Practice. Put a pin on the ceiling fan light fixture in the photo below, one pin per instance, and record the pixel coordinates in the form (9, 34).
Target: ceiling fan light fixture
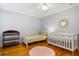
(44, 7)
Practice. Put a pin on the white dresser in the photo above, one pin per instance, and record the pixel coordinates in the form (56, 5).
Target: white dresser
(64, 40)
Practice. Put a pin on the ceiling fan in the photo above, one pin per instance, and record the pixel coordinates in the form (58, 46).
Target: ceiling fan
(44, 6)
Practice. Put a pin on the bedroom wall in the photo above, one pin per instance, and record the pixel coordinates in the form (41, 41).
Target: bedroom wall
(51, 23)
(26, 25)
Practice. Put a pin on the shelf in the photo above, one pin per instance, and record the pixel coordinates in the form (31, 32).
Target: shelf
(10, 41)
(10, 37)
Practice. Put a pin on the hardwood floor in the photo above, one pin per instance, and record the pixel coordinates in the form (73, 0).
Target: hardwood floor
(22, 50)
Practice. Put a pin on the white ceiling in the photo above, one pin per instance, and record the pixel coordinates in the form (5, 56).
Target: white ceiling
(34, 9)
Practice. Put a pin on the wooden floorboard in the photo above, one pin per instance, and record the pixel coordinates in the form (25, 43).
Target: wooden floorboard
(22, 50)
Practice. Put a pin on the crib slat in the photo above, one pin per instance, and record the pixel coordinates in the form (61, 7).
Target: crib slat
(66, 43)
(69, 43)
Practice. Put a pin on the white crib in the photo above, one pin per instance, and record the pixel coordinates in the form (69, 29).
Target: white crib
(64, 40)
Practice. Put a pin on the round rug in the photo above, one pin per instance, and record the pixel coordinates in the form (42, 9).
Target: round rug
(41, 51)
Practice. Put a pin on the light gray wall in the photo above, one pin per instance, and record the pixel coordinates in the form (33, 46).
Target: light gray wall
(51, 23)
(26, 25)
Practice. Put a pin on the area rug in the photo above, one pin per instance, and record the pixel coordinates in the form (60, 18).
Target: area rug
(41, 51)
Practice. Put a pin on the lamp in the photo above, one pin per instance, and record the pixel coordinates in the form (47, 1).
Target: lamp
(44, 7)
